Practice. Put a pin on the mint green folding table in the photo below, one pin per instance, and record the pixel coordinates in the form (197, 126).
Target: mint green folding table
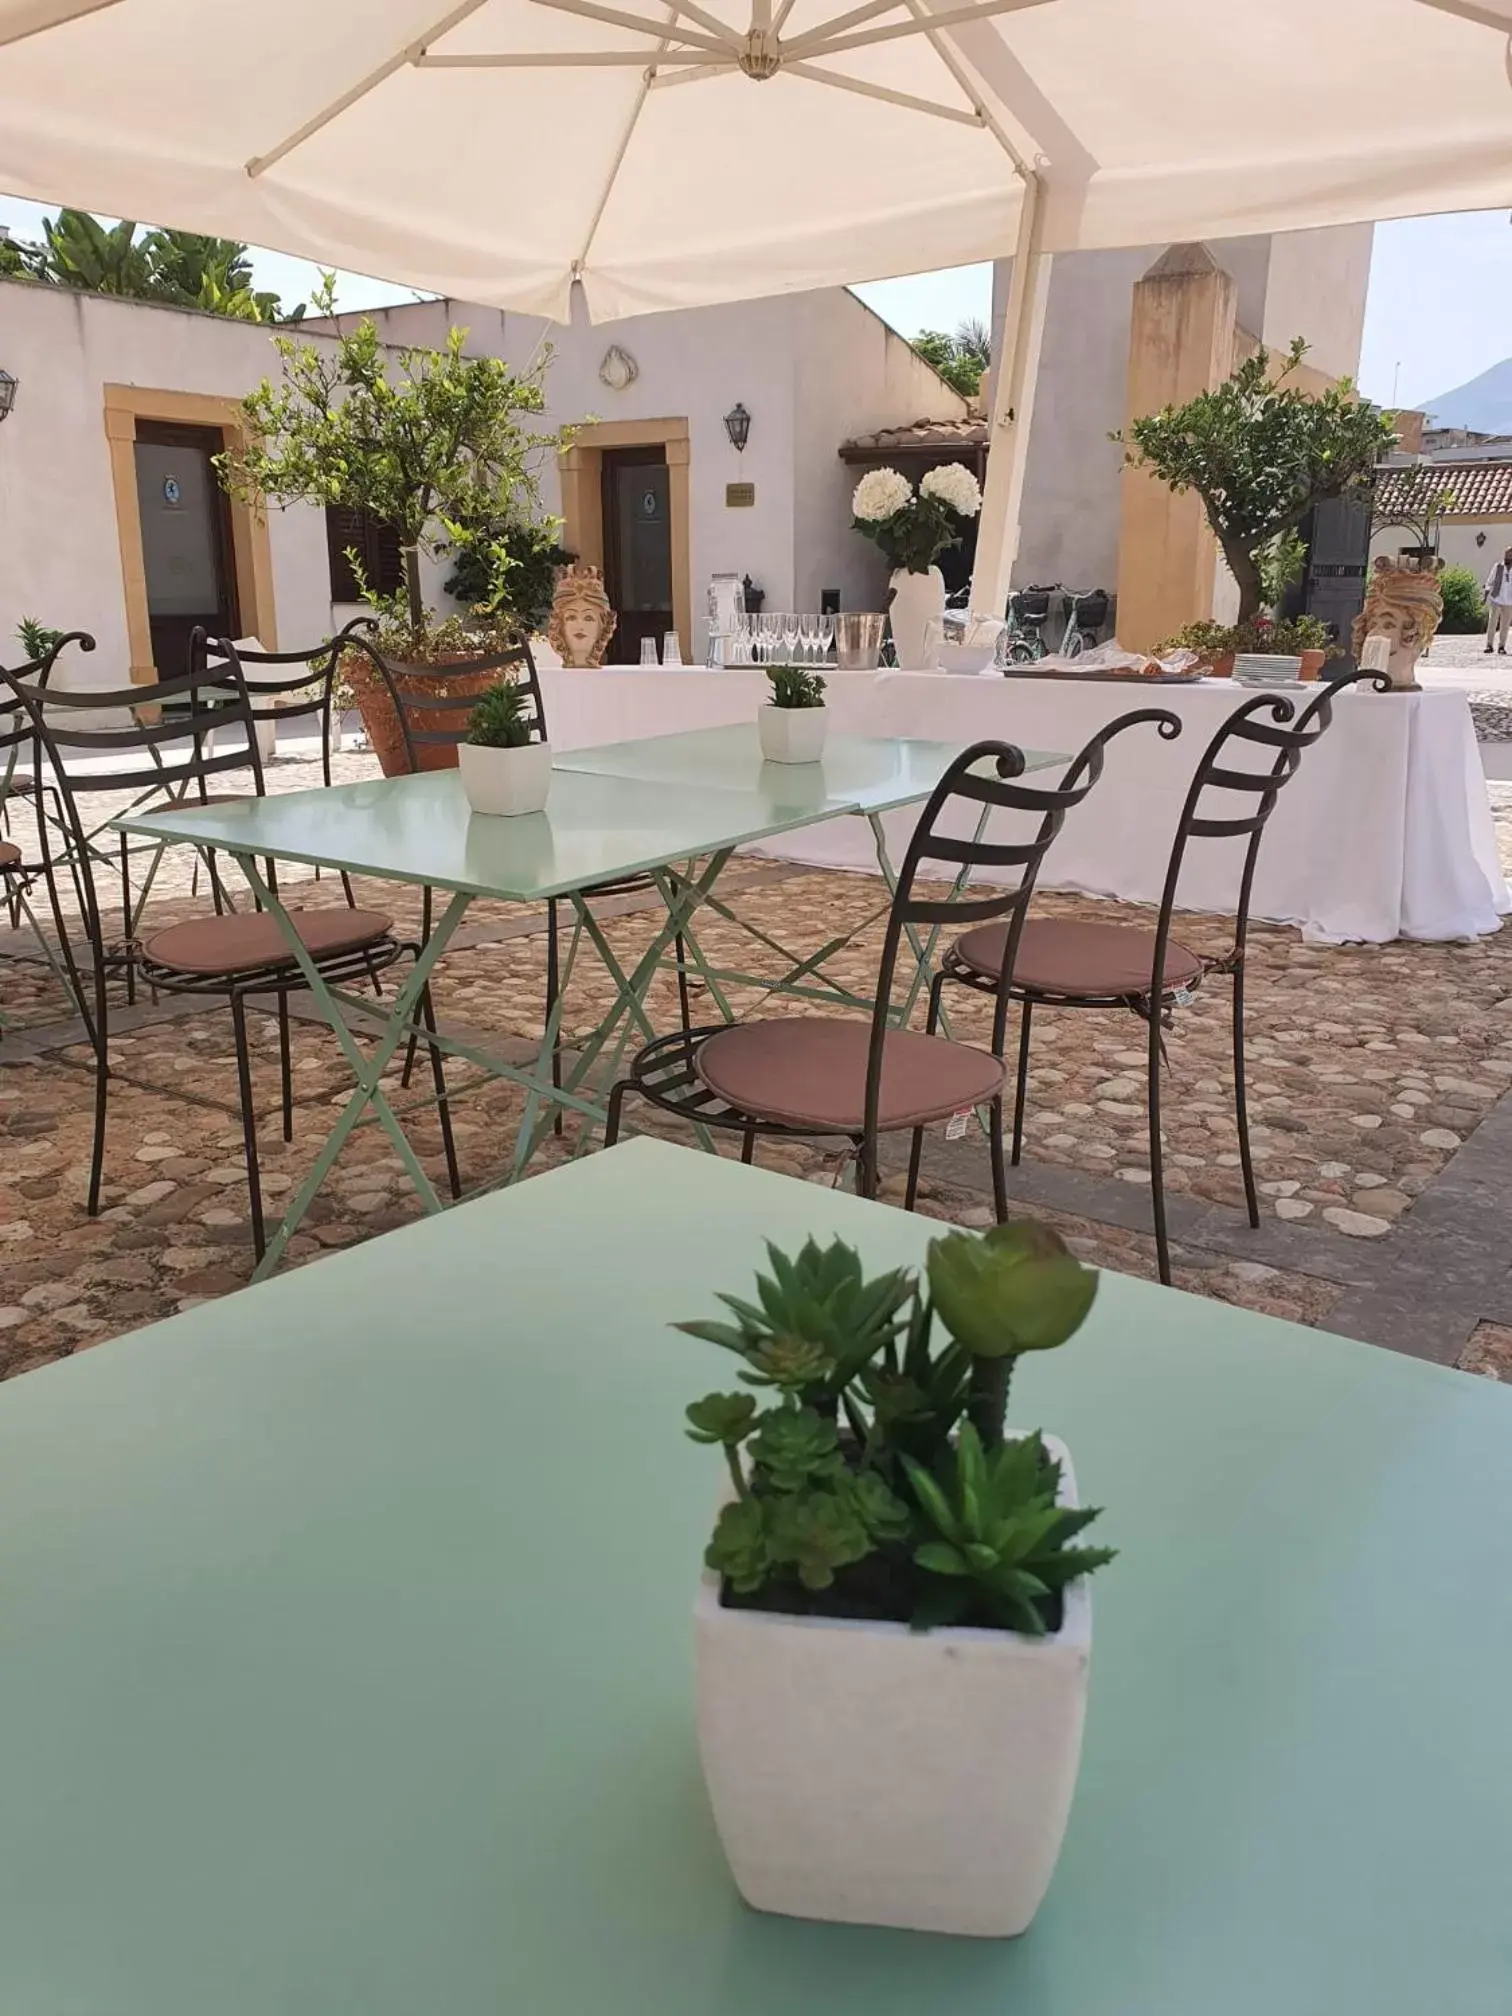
(596, 828)
(346, 1649)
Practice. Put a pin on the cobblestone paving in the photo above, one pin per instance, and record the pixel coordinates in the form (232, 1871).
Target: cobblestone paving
(1369, 1068)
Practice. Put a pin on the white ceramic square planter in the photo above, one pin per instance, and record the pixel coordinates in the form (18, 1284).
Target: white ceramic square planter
(873, 1775)
(505, 782)
(792, 734)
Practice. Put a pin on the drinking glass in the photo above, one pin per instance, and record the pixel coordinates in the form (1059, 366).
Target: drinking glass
(792, 625)
(648, 651)
(671, 649)
(771, 635)
(826, 638)
(808, 634)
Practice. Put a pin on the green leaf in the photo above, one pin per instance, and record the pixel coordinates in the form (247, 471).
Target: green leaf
(940, 1558)
(1002, 1296)
(815, 1532)
(880, 1510)
(739, 1549)
(932, 1500)
(722, 1417)
(793, 1447)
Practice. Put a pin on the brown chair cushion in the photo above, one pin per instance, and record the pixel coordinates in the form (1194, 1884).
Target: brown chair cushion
(810, 1071)
(1058, 955)
(10, 853)
(245, 942)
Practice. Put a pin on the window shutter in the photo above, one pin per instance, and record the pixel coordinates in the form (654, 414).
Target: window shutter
(386, 563)
(344, 528)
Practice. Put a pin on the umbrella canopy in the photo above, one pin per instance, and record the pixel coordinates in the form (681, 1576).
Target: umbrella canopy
(674, 152)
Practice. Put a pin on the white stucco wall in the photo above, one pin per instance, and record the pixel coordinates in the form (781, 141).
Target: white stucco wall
(811, 369)
(59, 549)
(1306, 283)
(854, 375)
(1457, 542)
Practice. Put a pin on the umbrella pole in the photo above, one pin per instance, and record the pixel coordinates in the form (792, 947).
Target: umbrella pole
(1012, 408)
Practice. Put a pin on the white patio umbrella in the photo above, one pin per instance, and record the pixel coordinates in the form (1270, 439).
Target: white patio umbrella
(665, 153)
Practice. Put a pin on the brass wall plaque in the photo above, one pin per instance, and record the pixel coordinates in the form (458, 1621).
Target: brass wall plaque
(739, 496)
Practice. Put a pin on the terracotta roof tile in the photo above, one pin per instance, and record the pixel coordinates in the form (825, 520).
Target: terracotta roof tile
(1480, 489)
(926, 436)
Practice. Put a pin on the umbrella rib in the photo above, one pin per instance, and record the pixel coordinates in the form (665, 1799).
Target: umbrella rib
(1485, 17)
(569, 59)
(779, 19)
(660, 31)
(903, 98)
(49, 14)
(821, 40)
(718, 29)
(663, 82)
(407, 55)
(619, 155)
(962, 75)
(818, 44)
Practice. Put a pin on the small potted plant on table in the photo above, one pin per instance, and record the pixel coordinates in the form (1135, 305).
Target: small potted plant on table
(504, 772)
(893, 1630)
(793, 723)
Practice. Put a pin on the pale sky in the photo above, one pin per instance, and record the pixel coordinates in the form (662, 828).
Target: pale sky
(1439, 310)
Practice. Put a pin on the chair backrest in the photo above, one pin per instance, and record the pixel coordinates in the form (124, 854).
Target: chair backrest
(173, 753)
(1269, 722)
(984, 778)
(439, 720)
(307, 686)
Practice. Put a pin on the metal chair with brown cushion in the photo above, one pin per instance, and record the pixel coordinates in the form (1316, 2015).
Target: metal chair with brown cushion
(237, 955)
(826, 1076)
(1065, 963)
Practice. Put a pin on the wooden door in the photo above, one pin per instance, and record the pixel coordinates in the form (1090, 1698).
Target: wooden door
(637, 547)
(186, 539)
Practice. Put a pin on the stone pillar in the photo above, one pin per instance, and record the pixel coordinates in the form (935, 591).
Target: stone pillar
(1181, 342)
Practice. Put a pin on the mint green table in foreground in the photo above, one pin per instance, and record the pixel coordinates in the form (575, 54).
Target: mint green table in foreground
(345, 1650)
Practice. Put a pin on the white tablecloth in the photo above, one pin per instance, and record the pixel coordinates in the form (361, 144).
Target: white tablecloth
(1385, 831)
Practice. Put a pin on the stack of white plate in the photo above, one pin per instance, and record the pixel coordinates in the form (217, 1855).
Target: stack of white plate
(1267, 668)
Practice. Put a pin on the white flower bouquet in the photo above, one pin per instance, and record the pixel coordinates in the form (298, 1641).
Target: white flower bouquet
(913, 528)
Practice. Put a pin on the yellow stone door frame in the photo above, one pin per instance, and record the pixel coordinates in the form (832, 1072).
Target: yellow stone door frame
(582, 473)
(251, 550)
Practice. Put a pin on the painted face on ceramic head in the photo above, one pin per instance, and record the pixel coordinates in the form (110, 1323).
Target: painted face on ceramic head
(581, 627)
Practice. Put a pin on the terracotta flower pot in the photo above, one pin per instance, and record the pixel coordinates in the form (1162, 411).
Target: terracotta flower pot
(448, 675)
(1222, 667)
(1312, 664)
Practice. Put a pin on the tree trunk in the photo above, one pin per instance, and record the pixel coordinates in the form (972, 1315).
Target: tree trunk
(412, 593)
(1247, 574)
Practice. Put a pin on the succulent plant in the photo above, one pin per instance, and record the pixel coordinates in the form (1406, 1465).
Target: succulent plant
(861, 1487)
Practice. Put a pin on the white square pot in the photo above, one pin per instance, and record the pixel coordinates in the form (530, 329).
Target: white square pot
(505, 783)
(792, 734)
(868, 1774)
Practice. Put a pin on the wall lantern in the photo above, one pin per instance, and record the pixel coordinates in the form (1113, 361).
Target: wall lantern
(7, 393)
(738, 426)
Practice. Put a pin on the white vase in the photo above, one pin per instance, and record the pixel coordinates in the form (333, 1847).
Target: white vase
(505, 783)
(868, 1774)
(792, 734)
(915, 599)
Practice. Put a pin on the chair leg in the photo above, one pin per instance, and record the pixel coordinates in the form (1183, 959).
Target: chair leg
(285, 1067)
(100, 1035)
(915, 1157)
(867, 1178)
(748, 1146)
(126, 921)
(615, 1113)
(995, 1150)
(1241, 1102)
(1157, 1157)
(1021, 1083)
(682, 982)
(443, 1100)
(414, 1042)
(553, 983)
(249, 1122)
(346, 884)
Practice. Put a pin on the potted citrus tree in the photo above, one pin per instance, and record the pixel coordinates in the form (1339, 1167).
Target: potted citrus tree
(893, 1629)
(506, 772)
(792, 724)
(426, 441)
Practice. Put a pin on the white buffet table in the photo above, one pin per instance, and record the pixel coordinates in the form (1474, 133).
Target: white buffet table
(1385, 832)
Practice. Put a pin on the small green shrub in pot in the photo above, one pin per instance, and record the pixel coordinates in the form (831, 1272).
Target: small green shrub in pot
(506, 771)
(793, 723)
(1464, 607)
(875, 1510)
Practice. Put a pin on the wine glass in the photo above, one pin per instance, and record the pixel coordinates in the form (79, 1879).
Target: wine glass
(792, 626)
(826, 637)
(808, 634)
(771, 635)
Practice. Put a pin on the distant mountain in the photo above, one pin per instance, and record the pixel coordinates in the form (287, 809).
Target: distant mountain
(1484, 405)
